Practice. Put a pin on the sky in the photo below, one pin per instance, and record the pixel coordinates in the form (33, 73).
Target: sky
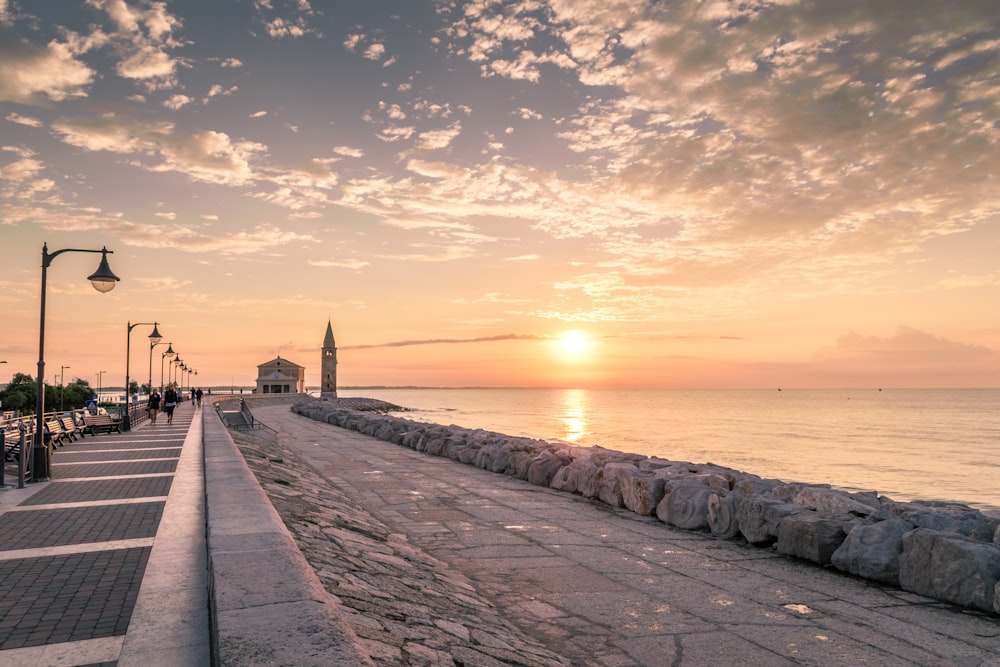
(553, 193)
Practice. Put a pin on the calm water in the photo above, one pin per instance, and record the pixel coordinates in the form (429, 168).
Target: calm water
(906, 444)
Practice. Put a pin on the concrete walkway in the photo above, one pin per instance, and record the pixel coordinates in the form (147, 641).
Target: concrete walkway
(105, 564)
(605, 587)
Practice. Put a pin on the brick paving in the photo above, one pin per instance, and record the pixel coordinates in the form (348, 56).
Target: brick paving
(78, 525)
(68, 598)
(117, 469)
(74, 549)
(136, 454)
(101, 489)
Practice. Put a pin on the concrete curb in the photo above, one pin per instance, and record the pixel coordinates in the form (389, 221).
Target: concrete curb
(268, 606)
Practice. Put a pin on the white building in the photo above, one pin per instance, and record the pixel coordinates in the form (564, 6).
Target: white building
(280, 376)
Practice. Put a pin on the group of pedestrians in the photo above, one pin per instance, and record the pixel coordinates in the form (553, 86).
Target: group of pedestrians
(169, 401)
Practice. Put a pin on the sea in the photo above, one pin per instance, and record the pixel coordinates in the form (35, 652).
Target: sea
(906, 444)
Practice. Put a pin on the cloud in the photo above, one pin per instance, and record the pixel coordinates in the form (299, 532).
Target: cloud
(23, 120)
(175, 102)
(436, 139)
(448, 341)
(341, 263)
(374, 52)
(143, 37)
(349, 151)
(207, 156)
(30, 74)
(907, 348)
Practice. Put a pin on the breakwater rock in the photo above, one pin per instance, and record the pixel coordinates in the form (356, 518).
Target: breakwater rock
(946, 551)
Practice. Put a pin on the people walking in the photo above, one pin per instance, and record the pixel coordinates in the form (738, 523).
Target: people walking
(169, 403)
(154, 406)
(199, 394)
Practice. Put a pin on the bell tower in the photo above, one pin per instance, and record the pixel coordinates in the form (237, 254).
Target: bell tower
(328, 387)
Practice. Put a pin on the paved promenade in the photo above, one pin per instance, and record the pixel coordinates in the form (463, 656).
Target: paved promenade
(605, 587)
(105, 564)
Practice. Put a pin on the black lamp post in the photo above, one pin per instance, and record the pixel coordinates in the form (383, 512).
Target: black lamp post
(100, 375)
(169, 354)
(151, 346)
(62, 376)
(176, 363)
(103, 280)
(154, 337)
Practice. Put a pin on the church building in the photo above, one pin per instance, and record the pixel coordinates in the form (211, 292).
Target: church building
(280, 376)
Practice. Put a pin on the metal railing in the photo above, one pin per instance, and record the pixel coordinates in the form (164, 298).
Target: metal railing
(18, 439)
(242, 419)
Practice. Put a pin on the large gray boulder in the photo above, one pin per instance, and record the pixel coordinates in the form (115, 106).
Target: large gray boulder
(827, 500)
(723, 521)
(872, 551)
(544, 467)
(810, 535)
(685, 504)
(945, 517)
(759, 517)
(950, 567)
(577, 477)
(642, 490)
(609, 482)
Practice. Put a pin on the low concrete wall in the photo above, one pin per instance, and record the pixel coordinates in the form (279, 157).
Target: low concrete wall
(268, 606)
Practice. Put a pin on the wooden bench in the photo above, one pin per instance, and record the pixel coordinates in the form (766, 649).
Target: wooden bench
(70, 427)
(11, 444)
(95, 424)
(55, 434)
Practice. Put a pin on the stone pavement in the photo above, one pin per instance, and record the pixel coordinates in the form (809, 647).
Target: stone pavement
(105, 563)
(593, 585)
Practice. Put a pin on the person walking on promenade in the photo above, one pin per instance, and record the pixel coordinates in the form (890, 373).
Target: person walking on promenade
(169, 403)
(154, 406)
(199, 394)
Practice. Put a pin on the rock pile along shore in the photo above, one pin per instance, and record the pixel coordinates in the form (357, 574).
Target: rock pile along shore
(946, 551)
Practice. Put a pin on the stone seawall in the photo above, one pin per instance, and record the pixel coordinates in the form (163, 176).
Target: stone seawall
(946, 551)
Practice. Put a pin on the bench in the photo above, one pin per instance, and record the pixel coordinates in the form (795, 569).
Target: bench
(55, 433)
(11, 444)
(70, 427)
(95, 424)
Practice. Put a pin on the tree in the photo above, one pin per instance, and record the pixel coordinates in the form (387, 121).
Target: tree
(19, 394)
(77, 394)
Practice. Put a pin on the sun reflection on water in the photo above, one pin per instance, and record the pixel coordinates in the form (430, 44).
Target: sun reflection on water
(575, 409)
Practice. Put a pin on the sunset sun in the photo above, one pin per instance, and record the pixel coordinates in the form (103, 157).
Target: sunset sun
(574, 343)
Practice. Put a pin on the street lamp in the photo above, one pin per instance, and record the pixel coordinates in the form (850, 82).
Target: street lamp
(62, 374)
(151, 346)
(154, 337)
(169, 354)
(100, 374)
(103, 280)
(176, 363)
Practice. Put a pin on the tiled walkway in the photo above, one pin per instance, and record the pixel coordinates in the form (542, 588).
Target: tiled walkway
(85, 578)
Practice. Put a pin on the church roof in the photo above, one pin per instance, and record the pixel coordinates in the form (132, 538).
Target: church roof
(328, 340)
(277, 361)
